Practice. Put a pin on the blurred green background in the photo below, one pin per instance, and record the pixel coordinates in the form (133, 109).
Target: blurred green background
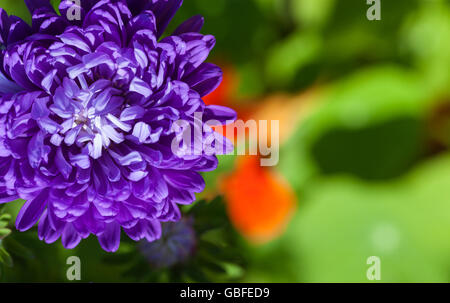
(368, 157)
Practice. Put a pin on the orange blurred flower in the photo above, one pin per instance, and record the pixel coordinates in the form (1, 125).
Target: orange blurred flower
(260, 203)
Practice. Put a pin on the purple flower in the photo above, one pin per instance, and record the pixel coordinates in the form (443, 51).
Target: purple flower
(86, 114)
(176, 245)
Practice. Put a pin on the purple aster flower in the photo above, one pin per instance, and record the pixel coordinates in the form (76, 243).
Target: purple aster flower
(176, 245)
(86, 114)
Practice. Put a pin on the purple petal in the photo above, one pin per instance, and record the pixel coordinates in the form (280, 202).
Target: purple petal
(181, 196)
(136, 6)
(72, 135)
(46, 21)
(74, 39)
(81, 160)
(37, 4)
(14, 65)
(140, 87)
(18, 31)
(141, 131)
(61, 163)
(132, 113)
(97, 147)
(46, 232)
(37, 150)
(164, 12)
(144, 21)
(110, 238)
(198, 48)
(102, 100)
(159, 186)
(4, 26)
(131, 158)
(8, 86)
(110, 168)
(92, 220)
(152, 230)
(49, 126)
(185, 180)
(6, 198)
(123, 126)
(48, 82)
(70, 237)
(112, 134)
(205, 79)
(222, 114)
(31, 211)
(192, 25)
(148, 229)
(39, 109)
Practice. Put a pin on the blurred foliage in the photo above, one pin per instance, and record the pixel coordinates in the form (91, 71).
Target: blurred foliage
(33, 259)
(5, 258)
(17, 8)
(291, 44)
(382, 86)
(425, 37)
(216, 257)
(343, 221)
(360, 131)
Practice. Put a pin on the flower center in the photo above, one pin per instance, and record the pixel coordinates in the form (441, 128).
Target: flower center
(81, 118)
(91, 116)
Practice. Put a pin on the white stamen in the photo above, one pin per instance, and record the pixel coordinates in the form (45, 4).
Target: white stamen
(83, 82)
(123, 126)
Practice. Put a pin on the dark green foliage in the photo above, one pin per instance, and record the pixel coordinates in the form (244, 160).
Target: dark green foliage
(379, 151)
(5, 258)
(218, 255)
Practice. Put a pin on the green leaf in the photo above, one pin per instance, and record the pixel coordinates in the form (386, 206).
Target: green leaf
(4, 221)
(344, 221)
(4, 232)
(289, 56)
(5, 258)
(346, 132)
(17, 8)
(18, 249)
